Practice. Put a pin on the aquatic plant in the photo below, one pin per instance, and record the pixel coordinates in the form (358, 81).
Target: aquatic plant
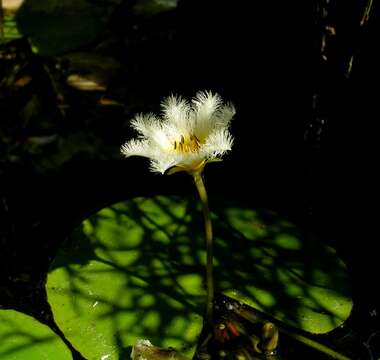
(185, 138)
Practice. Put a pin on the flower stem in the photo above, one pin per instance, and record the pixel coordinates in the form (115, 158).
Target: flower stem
(198, 180)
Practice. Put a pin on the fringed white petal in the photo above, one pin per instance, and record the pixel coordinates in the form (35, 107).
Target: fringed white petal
(161, 140)
(172, 132)
(205, 105)
(146, 124)
(217, 143)
(136, 148)
(176, 112)
(224, 115)
(162, 163)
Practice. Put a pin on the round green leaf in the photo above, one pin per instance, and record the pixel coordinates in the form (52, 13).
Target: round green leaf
(135, 270)
(22, 337)
(153, 7)
(56, 27)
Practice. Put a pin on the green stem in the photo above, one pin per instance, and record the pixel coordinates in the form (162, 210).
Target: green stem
(1, 22)
(316, 345)
(198, 180)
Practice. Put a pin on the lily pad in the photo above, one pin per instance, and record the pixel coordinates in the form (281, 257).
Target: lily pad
(136, 270)
(153, 7)
(22, 337)
(57, 26)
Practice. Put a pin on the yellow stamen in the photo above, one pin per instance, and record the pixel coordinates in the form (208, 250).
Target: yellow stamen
(192, 144)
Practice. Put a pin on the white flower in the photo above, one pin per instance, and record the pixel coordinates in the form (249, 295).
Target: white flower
(186, 137)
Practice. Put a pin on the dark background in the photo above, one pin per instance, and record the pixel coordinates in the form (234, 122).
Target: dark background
(305, 138)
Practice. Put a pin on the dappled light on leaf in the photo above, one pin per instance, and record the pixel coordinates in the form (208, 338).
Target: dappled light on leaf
(126, 274)
(22, 337)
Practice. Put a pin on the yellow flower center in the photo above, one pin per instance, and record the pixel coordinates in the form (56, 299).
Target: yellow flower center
(186, 145)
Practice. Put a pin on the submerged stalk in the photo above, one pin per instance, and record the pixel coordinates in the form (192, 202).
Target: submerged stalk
(254, 316)
(198, 180)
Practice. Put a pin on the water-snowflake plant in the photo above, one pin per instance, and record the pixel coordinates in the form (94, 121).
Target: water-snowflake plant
(186, 137)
